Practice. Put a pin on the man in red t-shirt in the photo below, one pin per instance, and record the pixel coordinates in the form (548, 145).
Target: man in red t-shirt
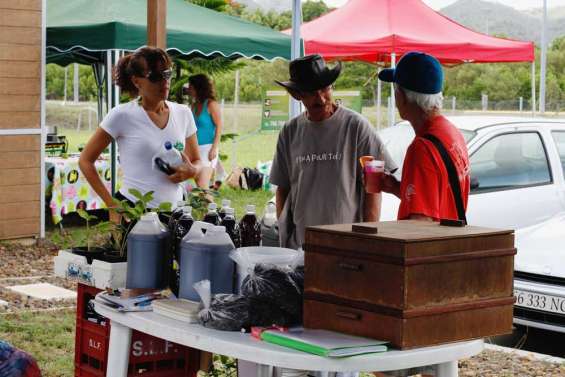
(425, 192)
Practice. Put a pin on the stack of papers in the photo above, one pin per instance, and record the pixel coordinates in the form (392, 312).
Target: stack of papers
(129, 300)
(323, 343)
(181, 309)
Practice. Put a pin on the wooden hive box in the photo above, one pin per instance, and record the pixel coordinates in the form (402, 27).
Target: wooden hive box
(412, 283)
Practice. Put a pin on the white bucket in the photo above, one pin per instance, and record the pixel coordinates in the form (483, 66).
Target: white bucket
(279, 256)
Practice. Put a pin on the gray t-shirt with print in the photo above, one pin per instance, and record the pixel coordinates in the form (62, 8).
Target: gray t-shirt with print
(318, 163)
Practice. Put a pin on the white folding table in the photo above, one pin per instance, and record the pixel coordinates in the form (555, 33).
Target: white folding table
(244, 347)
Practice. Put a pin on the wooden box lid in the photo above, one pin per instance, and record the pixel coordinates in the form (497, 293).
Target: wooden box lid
(407, 239)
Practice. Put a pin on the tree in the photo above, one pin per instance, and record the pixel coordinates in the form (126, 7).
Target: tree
(313, 9)
(217, 5)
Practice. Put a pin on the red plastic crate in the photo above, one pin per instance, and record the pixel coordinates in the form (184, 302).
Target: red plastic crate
(149, 356)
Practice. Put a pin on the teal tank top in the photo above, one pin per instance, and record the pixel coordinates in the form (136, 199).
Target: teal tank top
(205, 127)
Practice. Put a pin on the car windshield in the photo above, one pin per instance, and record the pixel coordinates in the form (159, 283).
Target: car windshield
(397, 139)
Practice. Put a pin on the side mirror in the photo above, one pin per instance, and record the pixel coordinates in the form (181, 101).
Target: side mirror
(474, 183)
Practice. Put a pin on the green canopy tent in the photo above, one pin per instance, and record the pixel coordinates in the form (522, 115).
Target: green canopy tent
(83, 30)
(96, 32)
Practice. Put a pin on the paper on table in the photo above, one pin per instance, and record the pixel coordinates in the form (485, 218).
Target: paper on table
(324, 343)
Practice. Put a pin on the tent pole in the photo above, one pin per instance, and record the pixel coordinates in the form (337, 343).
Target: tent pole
(534, 87)
(235, 119)
(392, 108)
(295, 51)
(109, 105)
(543, 61)
(379, 99)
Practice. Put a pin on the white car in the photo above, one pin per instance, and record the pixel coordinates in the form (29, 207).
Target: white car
(517, 182)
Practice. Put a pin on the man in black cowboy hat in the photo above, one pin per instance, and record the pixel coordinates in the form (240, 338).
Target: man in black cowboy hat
(316, 165)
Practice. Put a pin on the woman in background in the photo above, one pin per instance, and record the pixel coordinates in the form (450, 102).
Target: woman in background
(208, 123)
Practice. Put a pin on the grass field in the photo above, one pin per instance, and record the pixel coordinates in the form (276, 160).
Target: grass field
(48, 336)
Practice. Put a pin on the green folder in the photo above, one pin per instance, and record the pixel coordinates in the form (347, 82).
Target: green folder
(324, 343)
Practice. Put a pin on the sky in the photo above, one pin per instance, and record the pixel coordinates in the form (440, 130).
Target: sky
(438, 4)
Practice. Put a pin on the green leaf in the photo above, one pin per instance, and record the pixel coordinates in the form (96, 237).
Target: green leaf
(83, 214)
(165, 207)
(136, 193)
(147, 197)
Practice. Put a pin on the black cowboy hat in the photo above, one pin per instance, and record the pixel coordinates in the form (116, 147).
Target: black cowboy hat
(310, 73)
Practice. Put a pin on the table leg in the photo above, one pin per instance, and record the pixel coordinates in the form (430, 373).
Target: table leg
(118, 352)
(264, 370)
(448, 369)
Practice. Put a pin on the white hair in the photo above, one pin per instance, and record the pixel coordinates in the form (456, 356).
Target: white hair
(427, 102)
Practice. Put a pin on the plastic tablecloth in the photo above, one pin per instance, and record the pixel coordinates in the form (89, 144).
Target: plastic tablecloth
(67, 189)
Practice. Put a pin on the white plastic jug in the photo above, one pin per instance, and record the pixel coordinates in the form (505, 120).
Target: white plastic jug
(205, 256)
(147, 253)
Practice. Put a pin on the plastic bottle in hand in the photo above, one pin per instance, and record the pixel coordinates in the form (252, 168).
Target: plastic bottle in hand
(225, 205)
(212, 216)
(269, 227)
(232, 228)
(168, 158)
(250, 228)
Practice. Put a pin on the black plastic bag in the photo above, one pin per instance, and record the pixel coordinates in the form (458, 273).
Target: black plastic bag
(273, 284)
(222, 311)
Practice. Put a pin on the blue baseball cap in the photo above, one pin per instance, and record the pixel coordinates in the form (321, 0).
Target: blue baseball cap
(416, 71)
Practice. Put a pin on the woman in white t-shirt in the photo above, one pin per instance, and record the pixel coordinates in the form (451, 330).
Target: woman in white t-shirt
(141, 128)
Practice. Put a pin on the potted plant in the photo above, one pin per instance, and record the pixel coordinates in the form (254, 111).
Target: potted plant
(88, 241)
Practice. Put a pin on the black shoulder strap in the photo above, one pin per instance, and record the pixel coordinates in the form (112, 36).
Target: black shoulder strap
(452, 172)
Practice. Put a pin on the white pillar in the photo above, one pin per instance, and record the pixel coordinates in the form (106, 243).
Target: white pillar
(42, 118)
(543, 60)
(65, 85)
(235, 119)
(295, 48)
(453, 103)
(392, 108)
(379, 99)
(534, 88)
(75, 83)
(521, 103)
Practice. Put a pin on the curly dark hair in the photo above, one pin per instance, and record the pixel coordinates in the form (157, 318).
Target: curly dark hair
(203, 87)
(139, 63)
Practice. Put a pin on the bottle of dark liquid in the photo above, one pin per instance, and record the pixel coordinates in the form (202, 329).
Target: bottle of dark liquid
(225, 205)
(183, 225)
(212, 216)
(175, 215)
(232, 228)
(250, 228)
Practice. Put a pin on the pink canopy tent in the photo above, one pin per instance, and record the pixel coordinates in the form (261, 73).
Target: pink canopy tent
(381, 31)
(373, 30)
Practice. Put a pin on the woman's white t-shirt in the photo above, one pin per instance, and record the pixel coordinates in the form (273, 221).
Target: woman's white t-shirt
(139, 140)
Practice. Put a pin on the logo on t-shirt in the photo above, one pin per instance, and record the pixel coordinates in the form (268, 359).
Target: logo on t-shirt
(410, 192)
(319, 157)
(179, 146)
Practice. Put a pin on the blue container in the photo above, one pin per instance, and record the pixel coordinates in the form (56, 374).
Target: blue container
(206, 256)
(148, 259)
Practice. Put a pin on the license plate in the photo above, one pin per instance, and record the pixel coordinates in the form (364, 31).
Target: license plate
(539, 301)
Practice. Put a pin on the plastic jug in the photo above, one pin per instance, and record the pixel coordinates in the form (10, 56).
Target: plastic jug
(206, 256)
(270, 227)
(148, 257)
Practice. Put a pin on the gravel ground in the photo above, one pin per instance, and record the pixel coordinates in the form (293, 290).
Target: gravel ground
(27, 264)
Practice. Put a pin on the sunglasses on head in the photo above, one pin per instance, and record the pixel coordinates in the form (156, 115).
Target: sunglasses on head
(159, 76)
